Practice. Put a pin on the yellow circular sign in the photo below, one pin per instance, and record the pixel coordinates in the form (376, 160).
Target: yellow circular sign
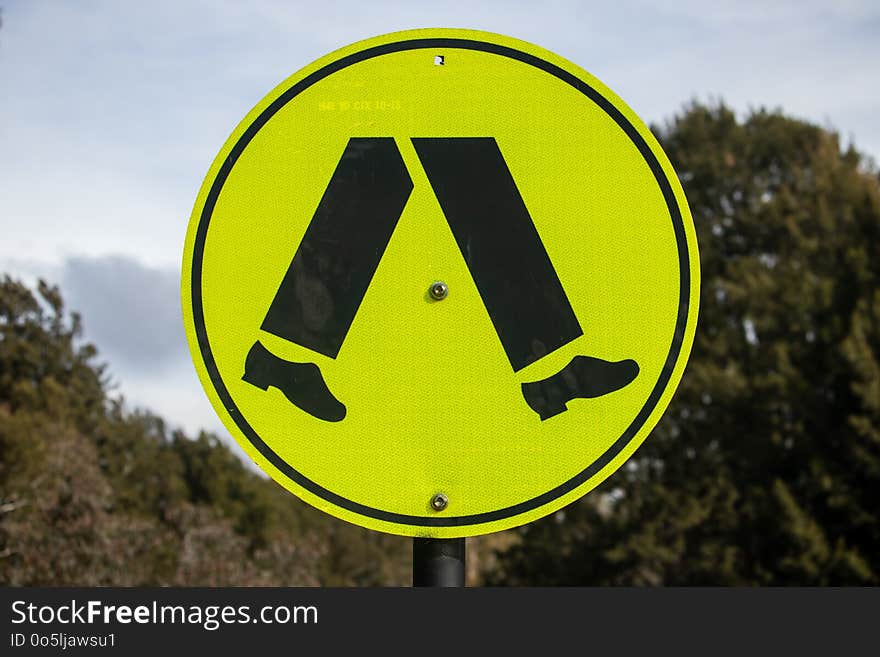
(440, 283)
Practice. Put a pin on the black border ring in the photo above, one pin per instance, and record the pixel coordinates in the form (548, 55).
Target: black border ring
(477, 518)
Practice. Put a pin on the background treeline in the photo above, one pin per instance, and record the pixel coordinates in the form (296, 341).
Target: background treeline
(91, 494)
(765, 469)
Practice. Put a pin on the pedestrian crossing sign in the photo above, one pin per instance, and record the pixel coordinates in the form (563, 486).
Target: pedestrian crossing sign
(440, 283)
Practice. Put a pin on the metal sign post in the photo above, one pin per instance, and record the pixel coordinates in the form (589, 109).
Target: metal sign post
(438, 562)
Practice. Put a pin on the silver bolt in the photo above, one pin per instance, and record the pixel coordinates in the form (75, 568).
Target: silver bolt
(439, 290)
(439, 502)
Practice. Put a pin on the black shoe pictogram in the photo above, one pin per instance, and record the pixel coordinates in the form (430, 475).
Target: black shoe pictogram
(301, 383)
(583, 377)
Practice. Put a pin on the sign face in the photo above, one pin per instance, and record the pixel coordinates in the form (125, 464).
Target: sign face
(440, 283)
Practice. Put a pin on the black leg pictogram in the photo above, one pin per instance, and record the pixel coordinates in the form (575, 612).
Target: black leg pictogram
(340, 251)
(512, 271)
(331, 270)
(500, 245)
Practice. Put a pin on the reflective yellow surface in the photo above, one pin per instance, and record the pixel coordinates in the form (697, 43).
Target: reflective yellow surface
(432, 402)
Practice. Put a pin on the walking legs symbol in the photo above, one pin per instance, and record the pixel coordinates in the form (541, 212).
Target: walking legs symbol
(331, 270)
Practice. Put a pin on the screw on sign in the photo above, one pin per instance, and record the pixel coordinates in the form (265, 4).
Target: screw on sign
(344, 209)
(439, 290)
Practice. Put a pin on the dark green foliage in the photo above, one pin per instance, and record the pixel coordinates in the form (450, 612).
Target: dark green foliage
(38, 350)
(766, 468)
(91, 494)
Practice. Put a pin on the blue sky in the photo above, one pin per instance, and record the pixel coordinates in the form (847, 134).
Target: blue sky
(111, 112)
